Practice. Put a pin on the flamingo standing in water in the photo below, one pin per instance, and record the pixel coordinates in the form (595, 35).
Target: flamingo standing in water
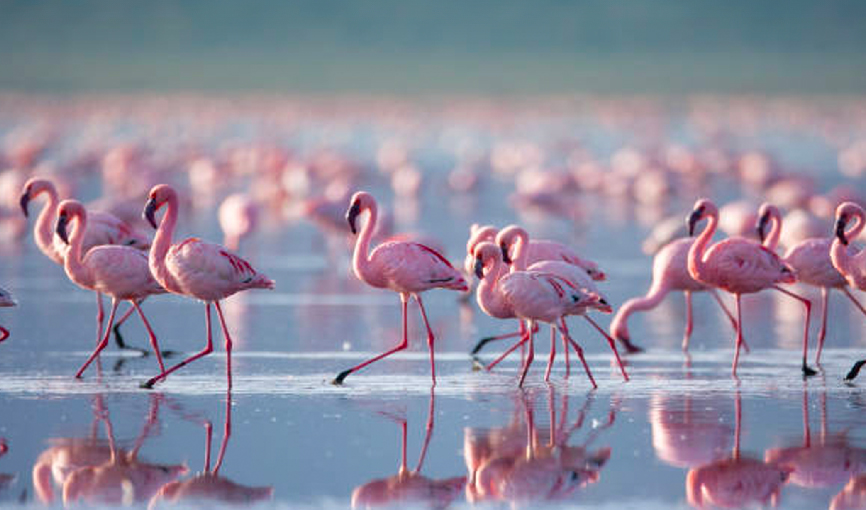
(810, 259)
(6, 299)
(197, 269)
(739, 266)
(119, 271)
(102, 229)
(851, 264)
(670, 273)
(405, 267)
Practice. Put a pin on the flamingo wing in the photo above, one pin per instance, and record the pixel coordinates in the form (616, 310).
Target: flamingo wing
(208, 271)
(413, 267)
(121, 272)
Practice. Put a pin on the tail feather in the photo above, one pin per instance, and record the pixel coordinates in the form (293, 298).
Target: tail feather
(261, 281)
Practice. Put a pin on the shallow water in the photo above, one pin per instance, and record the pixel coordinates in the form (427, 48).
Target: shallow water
(308, 444)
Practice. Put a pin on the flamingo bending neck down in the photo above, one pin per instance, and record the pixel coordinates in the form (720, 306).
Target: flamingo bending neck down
(811, 260)
(405, 267)
(197, 269)
(849, 262)
(739, 266)
(119, 271)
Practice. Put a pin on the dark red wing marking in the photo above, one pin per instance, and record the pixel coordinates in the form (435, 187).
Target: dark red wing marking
(557, 287)
(238, 264)
(435, 254)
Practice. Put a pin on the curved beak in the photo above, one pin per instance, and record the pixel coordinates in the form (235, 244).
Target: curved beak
(762, 227)
(352, 216)
(693, 220)
(24, 201)
(150, 212)
(840, 230)
(479, 268)
(505, 257)
(62, 221)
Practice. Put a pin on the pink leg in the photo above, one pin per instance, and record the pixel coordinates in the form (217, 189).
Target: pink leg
(207, 350)
(552, 354)
(153, 341)
(208, 433)
(739, 339)
(578, 349)
(227, 433)
(530, 355)
(431, 340)
(728, 314)
(567, 360)
(854, 300)
(689, 322)
(511, 349)
(825, 302)
(484, 341)
(100, 316)
(228, 344)
(808, 304)
(428, 432)
(101, 345)
(405, 343)
(612, 344)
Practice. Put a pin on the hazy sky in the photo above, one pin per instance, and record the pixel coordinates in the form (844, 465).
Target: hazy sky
(408, 46)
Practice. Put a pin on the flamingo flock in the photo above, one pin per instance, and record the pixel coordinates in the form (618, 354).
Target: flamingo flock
(523, 273)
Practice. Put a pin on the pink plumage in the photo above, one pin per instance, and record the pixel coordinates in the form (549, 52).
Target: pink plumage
(238, 216)
(851, 263)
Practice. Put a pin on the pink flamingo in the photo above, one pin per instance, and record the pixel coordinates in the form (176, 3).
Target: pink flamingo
(119, 271)
(238, 217)
(102, 229)
(670, 273)
(739, 266)
(405, 267)
(811, 261)
(197, 269)
(850, 263)
(6, 299)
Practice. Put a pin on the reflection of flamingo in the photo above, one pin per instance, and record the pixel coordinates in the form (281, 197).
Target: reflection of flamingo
(404, 267)
(209, 486)
(735, 481)
(410, 487)
(6, 299)
(5, 479)
(739, 266)
(516, 464)
(198, 269)
(102, 228)
(851, 265)
(852, 496)
(670, 272)
(119, 271)
(811, 261)
(687, 433)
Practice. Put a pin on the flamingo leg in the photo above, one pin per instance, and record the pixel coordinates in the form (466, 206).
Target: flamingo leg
(207, 350)
(612, 344)
(431, 340)
(228, 343)
(508, 351)
(227, 433)
(567, 360)
(208, 429)
(484, 341)
(728, 314)
(552, 354)
(854, 300)
(103, 342)
(405, 343)
(578, 349)
(689, 323)
(100, 316)
(822, 333)
(118, 338)
(739, 340)
(529, 356)
(428, 431)
(807, 371)
(153, 341)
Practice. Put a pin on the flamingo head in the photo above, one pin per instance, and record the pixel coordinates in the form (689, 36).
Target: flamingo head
(480, 233)
(844, 213)
(703, 208)
(68, 209)
(766, 214)
(32, 188)
(360, 201)
(506, 239)
(159, 195)
(484, 253)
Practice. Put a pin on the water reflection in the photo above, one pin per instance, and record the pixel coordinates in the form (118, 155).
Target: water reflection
(96, 471)
(208, 486)
(522, 463)
(410, 487)
(736, 480)
(5, 478)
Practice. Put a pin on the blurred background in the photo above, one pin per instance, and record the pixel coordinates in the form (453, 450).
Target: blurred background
(422, 47)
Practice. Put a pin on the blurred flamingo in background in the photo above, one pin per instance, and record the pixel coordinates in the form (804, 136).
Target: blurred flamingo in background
(197, 269)
(850, 263)
(6, 299)
(119, 271)
(405, 267)
(739, 266)
(238, 216)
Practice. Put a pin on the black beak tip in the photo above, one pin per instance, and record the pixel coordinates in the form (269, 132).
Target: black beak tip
(61, 229)
(352, 215)
(479, 269)
(24, 202)
(840, 232)
(505, 257)
(149, 212)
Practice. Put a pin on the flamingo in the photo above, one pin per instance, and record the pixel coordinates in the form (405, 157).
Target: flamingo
(405, 267)
(238, 216)
(810, 259)
(197, 269)
(119, 271)
(6, 299)
(739, 266)
(850, 263)
(670, 273)
(103, 229)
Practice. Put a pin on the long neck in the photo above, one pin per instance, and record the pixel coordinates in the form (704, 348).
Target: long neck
(361, 257)
(841, 257)
(619, 324)
(772, 240)
(160, 246)
(696, 253)
(487, 295)
(75, 268)
(43, 230)
(521, 250)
